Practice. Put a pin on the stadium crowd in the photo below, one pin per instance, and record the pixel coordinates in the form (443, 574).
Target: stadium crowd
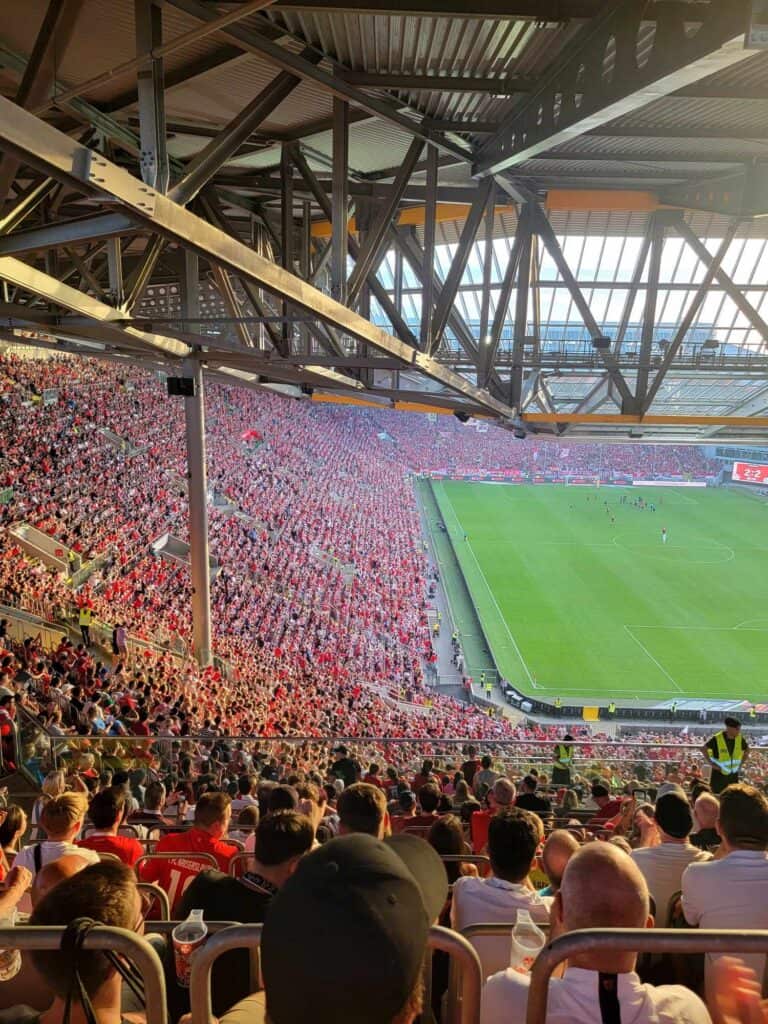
(320, 605)
(343, 865)
(320, 624)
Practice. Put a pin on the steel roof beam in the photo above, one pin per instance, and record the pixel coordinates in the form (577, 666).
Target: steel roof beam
(509, 86)
(256, 42)
(544, 230)
(213, 61)
(69, 232)
(371, 251)
(401, 328)
(223, 146)
(50, 45)
(583, 91)
(535, 10)
(153, 156)
(39, 283)
(447, 298)
(687, 321)
(216, 23)
(737, 297)
(61, 157)
(656, 232)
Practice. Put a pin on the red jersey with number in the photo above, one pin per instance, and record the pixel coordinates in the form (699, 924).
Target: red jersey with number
(175, 874)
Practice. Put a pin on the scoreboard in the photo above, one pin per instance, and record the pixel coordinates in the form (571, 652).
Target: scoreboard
(750, 473)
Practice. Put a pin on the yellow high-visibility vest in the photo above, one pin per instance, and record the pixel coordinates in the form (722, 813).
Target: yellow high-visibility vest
(85, 616)
(729, 764)
(564, 756)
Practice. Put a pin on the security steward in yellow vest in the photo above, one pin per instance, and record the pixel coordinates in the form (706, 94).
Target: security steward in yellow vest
(726, 751)
(561, 768)
(85, 618)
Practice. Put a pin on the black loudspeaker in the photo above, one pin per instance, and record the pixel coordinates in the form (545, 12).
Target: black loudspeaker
(181, 387)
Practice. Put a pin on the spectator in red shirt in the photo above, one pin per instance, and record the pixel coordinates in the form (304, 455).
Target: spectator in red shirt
(107, 814)
(211, 822)
(429, 797)
(501, 796)
(607, 807)
(424, 776)
(372, 777)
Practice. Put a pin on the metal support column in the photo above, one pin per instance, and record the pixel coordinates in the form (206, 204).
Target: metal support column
(151, 92)
(197, 484)
(340, 200)
(649, 313)
(305, 265)
(485, 301)
(286, 232)
(430, 211)
(521, 308)
(115, 271)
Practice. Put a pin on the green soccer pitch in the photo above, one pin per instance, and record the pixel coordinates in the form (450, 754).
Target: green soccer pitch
(577, 607)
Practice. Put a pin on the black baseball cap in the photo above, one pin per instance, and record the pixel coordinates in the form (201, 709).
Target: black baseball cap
(345, 937)
(673, 815)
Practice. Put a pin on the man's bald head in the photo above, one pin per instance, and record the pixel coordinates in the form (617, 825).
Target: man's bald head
(603, 888)
(706, 810)
(558, 850)
(54, 872)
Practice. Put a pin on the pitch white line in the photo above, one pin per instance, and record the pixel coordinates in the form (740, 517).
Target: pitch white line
(492, 596)
(501, 616)
(658, 664)
(744, 628)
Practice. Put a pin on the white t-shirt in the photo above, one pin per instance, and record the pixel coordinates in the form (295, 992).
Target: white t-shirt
(662, 867)
(241, 802)
(575, 999)
(494, 901)
(729, 893)
(52, 850)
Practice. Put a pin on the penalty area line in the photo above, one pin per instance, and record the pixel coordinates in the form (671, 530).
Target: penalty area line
(657, 663)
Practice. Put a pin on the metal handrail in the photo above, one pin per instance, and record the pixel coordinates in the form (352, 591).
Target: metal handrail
(160, 895)
(239, 858)
(249, 936)
(465, 858)
(632, 940)
(102, 938)
(239, 936)
(464, 957)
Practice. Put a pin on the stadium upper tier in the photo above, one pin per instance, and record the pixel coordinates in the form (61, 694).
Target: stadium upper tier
(320, 605)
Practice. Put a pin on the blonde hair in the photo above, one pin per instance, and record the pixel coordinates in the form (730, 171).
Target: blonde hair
(54, 783)
(63, 812)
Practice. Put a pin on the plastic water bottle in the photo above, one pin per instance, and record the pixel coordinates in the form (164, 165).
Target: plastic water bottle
(10, 959)
(187, 938)
(527, 943)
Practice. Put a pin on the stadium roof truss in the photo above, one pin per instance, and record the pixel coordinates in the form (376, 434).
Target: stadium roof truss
(547, 213)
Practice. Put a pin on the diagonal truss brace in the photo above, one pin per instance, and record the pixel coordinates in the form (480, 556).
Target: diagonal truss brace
(59, 156)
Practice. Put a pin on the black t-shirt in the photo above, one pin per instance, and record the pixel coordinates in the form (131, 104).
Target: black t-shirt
(468, 770)
(223, 898)
(346, 769)
(531, 802)
(704, 840)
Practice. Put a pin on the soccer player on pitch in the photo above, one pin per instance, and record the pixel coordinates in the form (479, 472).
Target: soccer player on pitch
(663, 535)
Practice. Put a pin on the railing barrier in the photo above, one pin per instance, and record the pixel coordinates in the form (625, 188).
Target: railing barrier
(632, 940)
(102, 937)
